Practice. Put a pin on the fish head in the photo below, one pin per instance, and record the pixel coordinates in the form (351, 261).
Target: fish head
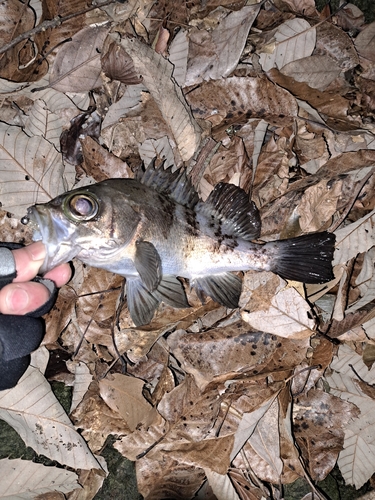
(91, 223)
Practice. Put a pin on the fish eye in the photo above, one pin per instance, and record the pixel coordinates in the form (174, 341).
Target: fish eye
(81, 207)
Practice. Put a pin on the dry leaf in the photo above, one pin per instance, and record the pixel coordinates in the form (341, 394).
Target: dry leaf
(157, 72)
(77, 65)
(25, 479)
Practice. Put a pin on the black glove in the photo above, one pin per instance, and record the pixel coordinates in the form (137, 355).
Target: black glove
(19, 335)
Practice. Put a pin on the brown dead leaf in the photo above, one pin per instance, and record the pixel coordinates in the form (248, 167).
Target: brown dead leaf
(235, 100)
(118, 65)
(335, 108)
(319, 422)
(157, 72)
(97, 420)
(338, 44)
(304, 7)
(16, 18)
(244, 487)
(230, 164)
(77, 65)
(165, 477)
(100, 164)
(365, 42)
(317, 71)
(365, 387)
(233, 349)
(60, 315)
(124, 395)
(318, 204)
(91, 482)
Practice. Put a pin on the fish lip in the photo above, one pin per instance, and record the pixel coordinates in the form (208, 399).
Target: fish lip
(41, 232)
(55, 233)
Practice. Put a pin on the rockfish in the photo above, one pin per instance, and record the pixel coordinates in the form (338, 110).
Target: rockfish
(156, 229)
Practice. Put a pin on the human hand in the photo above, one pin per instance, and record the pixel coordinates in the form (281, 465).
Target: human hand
(20, 334)
(22, 295)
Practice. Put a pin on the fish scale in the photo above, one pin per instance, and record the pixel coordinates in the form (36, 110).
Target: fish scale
(155, 229)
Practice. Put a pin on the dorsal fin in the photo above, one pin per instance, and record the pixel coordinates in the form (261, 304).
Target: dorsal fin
(229, 206)
(176, 185)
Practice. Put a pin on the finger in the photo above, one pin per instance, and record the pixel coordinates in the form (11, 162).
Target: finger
(60, 274)
(21, 298)
(28, 261)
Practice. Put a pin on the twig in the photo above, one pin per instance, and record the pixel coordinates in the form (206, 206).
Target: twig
(53, 23)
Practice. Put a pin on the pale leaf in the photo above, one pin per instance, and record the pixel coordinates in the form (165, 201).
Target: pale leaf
(357, 459)
(124, 395)
(33, 411)
(31, 170)
(82, 380)
(178, 55)
(129, 101)
(248, 424)
(36, 5)
(22, 479)
(365, 42)
(216, 54)
(355, 238)
(157, 76)
(369, 327)
(159, 148)
(307, 111)
(265, 438)
(41, 122)
(294, 40)
(259, 136)
(365, 281)
(77, 65)
(318, 204)
(221, 485)
(317, 71)
(287, 316)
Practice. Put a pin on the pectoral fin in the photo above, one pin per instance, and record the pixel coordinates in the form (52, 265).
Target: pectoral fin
(224, 288)
(141, 303)
(148, 264)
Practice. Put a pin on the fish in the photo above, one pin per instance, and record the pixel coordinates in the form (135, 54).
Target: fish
(155, 230)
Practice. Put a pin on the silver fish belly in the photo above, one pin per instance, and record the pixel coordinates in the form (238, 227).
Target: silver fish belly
(156, 229)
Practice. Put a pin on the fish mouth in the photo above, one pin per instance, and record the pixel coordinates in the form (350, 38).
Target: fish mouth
(36, 224)
(56, 234)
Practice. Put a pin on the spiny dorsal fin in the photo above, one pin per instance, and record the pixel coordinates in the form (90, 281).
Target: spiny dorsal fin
(176, 185)
(230, 207)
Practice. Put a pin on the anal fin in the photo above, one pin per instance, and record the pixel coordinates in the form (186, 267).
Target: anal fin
(171, 292)
(224, 288)
(142, 303)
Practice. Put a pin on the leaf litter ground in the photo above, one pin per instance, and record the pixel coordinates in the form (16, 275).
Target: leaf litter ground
(276, 97)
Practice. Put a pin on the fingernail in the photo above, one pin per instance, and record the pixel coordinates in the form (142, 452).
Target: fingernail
(17, 300)
(37, 251)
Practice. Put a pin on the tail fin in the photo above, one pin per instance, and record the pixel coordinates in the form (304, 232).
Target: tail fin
(306, 258)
